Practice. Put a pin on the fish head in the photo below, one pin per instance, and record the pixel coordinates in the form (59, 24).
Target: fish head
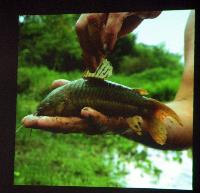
(46, 108)
(55, 104)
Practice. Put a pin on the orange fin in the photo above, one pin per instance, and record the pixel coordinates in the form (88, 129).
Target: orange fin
(162, 112)
(157, 126)
(157, 130)
(141, 91)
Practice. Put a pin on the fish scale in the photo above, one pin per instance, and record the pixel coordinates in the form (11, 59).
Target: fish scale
(109, 98)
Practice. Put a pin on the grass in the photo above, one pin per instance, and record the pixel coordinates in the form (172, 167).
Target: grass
(77, 159)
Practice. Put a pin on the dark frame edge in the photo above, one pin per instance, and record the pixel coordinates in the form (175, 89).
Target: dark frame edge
(196, 112)
(8, 77)
(8, 88)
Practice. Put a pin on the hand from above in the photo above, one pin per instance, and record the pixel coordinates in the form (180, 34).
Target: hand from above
(98, 32)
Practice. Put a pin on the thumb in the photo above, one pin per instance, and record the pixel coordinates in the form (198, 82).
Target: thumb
(94, 115)
(113, 123)
(58, 83)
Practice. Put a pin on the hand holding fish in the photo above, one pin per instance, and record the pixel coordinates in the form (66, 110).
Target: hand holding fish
(93, 122)
(98, 32)
(122, 110)
(126, 109)
(75, 124)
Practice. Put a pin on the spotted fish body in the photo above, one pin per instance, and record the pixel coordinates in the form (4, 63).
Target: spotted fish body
(111, 99)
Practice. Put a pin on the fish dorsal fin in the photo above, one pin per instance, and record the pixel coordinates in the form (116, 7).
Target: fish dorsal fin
(103, 71)
(141, 91)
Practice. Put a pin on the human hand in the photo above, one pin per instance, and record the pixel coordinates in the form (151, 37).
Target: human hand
(98, 32)
(93, 122)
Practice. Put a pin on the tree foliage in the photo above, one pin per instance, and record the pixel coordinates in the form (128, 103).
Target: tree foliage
(147, 57)
(52, 41)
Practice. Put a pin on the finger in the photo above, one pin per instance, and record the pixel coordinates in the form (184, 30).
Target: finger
(130, 23)
(95, 29)
(59, 82)
(147, 14)
(134, 19)
(98, 117)
(84, 40)
(112, 28)
(101, 119)
(89, 61)
(96, 21)
(55, 124)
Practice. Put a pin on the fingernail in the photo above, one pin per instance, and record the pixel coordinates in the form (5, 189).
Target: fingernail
(85, 113)
(85, 109)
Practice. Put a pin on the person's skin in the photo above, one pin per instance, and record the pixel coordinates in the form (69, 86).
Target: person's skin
(177, 137)
(98, 32)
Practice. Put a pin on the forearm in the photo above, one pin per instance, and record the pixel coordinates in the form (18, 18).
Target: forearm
(183, 103)
(186, 88)
(180, 137)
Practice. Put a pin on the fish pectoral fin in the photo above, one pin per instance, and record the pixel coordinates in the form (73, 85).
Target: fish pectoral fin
(103, 71)
(155, 127)
(157, 130)
(141, 91)
(135, 124)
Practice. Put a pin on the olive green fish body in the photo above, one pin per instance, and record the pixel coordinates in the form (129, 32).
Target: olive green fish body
(107, 97)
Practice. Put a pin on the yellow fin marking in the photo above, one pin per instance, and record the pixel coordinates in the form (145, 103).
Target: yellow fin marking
(135, 123)
(158, 131)
(141, 91)
(103, 71)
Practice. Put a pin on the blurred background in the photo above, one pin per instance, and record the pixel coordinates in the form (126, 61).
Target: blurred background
(151, 58)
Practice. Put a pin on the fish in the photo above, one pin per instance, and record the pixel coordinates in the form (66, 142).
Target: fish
(111, 99)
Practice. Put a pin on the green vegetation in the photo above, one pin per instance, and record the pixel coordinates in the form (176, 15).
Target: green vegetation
(49, 50)
(77, 159)
(51, 41)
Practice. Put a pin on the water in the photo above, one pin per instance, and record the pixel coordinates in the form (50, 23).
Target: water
(174, 175)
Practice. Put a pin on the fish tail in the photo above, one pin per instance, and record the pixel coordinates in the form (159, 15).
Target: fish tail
(161, 111)
(155, 121)
(156, 125)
